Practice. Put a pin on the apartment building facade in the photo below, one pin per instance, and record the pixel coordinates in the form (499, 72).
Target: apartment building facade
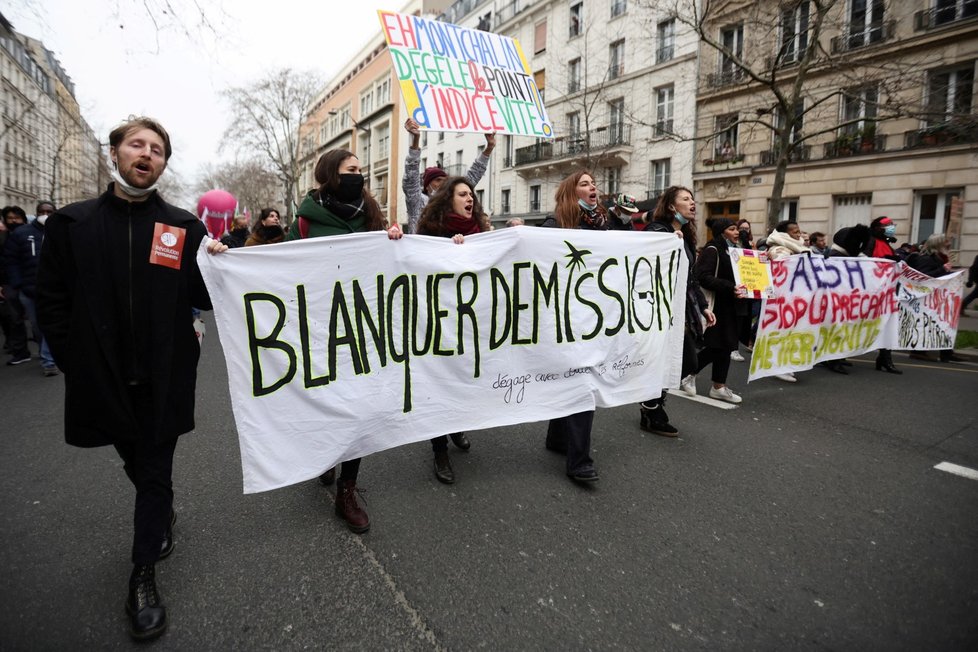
(885, 120)
(47, 150)
(618, 80)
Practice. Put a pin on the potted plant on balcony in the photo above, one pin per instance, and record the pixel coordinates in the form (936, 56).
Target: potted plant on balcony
(843, 144)
(934, 134)
(867, 137)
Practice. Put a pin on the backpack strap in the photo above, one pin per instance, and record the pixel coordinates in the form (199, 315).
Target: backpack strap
(303, 227)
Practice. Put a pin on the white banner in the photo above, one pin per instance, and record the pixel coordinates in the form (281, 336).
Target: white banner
(831, 308)
(344, 346)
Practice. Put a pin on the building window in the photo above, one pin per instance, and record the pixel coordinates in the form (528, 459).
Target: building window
(796, 128)
(383, 141)
(725, 144)
(366, 103)
(573, 124)
(858, 109)
(732, 40)
(540, 37)
(950, 94)
(789, 210)
(948, 11)
(574, 75)
(618, 7)
(440, 160)
(441, 136)
(384, 91)
(481, 196)
(504, 202)
(865, 22)
(667, 41)
(663, 110)
(508, 149)
(381, 192)
(616, 54)
(932, 212)
(535, 199)
(612, 180)
(661, 177)
(616, 122)
(794, 33)
(576, 19)
(540, 79)
(424, 138)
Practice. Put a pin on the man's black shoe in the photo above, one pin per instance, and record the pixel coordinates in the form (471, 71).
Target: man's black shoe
(656, 421)
(443, 468)
(328, 478)
(584, 476)
(147, 616)
(460, 440)
(168, 541)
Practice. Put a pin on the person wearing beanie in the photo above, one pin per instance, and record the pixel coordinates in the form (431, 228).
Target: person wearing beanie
(419, 187)
(881, 233)
(714, 272)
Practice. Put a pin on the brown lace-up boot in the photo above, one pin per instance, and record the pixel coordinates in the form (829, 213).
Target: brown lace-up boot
(348, 507)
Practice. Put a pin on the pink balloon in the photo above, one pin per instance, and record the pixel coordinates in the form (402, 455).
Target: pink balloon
(216, 209)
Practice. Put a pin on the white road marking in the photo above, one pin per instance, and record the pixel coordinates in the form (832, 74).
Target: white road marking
(957, 469)
(723, 405)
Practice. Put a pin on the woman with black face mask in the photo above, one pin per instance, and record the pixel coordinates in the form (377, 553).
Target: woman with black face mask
(339, 206)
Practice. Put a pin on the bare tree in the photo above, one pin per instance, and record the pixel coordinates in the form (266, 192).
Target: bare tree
(265, 122)
(799, 60)
(251, 182)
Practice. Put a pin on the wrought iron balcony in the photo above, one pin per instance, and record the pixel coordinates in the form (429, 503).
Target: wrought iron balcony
(583, 143)
(855, 145)
(725, 78)
(942, 134)
(797, 154)
(940, 16)
(876, 33)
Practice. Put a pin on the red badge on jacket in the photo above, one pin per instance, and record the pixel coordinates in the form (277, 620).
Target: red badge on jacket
(167, 247)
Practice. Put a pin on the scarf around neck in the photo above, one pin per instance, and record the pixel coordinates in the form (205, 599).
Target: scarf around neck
(455, 223)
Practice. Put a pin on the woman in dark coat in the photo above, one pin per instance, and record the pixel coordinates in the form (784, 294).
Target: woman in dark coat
(675, 212)
(453, 212)
(714, 272)
(881, 232)
(339, 206)
(577, 208)
(267, 230)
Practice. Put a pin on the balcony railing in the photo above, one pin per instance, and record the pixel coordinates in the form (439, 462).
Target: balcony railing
(855, 145)
(534, 205)
(725, 78)
(573, 85)
(732, 158)
(616, 70)
(456, 170)
(941, 16)
(663, 128)
(878, 33)
(946, 133)
(504, 208)
(575, 144)
(508, 10)
(798, 153)
(664, 53)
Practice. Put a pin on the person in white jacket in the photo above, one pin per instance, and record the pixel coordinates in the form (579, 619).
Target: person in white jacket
(417, 187)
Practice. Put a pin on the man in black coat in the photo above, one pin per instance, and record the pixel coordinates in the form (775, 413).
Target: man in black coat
(117, 279)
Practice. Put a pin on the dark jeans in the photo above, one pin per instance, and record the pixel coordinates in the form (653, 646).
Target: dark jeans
(14, 324)
(350, 469)
(689, 353)
(439, 444)
(720, 359)
(574, 433)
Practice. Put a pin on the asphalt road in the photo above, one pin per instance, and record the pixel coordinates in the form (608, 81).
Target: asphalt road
(809, 518)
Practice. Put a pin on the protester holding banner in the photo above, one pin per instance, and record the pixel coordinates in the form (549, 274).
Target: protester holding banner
(341, 205)
(418, 188)
(934, 260)
(116, 281)
(453, 212)
(267, 230)
(881, 232)
(972, 283)
(714, 273)
(675, 212)
(577, 207)
(786, 240)
(848, 241)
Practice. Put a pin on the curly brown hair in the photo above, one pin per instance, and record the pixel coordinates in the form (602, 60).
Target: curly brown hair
(327, 175)
(567, 212)
(432, 220)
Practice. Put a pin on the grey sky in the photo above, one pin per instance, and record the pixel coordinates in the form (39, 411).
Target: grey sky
(121, 64)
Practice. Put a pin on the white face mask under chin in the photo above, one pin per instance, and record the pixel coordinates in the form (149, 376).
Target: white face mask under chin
(128, 189)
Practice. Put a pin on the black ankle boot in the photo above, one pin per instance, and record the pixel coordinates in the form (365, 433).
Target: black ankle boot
(655, 419)
(884, 362)
(147, 615)
(443, 468)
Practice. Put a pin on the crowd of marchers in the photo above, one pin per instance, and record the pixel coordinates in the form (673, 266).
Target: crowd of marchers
(88, 285)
